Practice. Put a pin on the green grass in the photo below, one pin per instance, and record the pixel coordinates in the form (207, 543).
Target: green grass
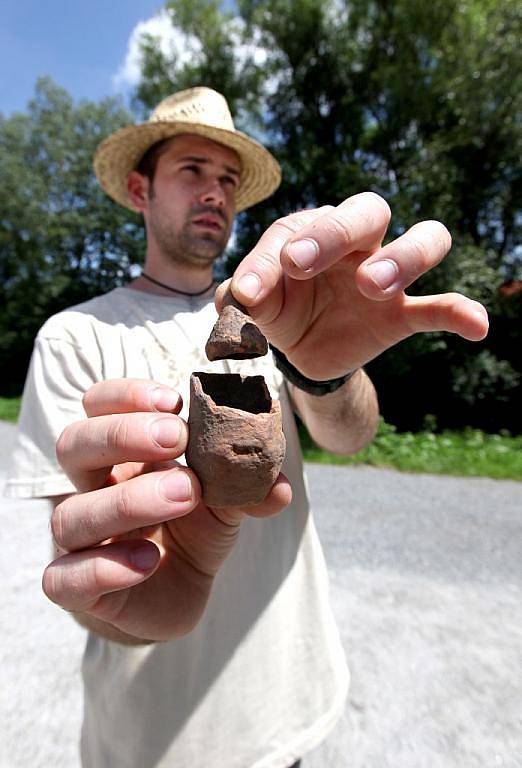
(10, 408)
(468, 453)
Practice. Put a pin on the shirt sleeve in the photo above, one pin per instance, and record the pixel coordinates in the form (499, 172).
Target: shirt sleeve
(59, 374)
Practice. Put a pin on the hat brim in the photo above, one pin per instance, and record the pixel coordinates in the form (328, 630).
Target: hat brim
(121, 152)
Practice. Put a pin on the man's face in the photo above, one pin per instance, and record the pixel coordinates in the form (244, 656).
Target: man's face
(191, 201)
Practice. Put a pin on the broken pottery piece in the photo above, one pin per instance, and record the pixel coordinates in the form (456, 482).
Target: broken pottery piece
(235, 336)
(236, 444)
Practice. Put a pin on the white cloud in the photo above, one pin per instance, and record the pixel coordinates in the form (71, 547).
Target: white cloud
(254, 50)
(181, 48)
(172, 41)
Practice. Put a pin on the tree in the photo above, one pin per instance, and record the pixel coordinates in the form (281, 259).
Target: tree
(61, 239)
(419, 102)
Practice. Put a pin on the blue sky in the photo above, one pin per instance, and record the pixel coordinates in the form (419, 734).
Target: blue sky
(81, 44)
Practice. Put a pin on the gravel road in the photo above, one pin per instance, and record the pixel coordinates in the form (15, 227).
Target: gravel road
(426, 584)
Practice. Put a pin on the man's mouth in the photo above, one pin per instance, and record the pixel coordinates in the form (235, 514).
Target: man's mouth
(209, 221)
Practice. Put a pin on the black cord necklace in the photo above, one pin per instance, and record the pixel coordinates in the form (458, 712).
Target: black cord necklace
(176, 290)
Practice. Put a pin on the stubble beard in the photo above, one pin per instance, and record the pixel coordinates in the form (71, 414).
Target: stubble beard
(183, 246)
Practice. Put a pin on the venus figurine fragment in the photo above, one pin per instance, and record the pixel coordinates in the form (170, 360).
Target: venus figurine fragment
(236, 442)
(235, 336)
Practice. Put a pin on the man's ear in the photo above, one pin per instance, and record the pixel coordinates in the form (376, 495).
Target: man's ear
(138, 190)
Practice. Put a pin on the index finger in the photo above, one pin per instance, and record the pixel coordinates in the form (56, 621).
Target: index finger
(130, 396)
(261, 271)
(357, 224)
(88, 450)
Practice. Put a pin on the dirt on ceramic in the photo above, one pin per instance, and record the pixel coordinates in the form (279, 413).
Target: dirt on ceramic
(236, 443)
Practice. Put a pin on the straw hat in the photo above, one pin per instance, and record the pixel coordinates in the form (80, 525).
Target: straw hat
(196, 110)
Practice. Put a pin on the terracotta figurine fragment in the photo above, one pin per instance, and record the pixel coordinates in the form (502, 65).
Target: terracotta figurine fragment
(235, 336)
(236, 442)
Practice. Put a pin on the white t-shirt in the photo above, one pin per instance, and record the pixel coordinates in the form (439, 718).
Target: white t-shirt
(262, 679)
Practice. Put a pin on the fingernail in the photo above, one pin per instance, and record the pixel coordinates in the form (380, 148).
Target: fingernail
(164, 399)
(482, 315)
(479, 309)
(383, 273)
(249, 285)
(166, 432)
(176, 486)
(303, 253)
(144, 557)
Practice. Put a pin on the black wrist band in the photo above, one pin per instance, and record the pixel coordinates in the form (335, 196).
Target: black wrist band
(310, 386)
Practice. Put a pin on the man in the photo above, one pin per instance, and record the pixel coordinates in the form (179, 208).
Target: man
(211, 639)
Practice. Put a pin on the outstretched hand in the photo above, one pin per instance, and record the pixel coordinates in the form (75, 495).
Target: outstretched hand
(326, 293)
(140, 549)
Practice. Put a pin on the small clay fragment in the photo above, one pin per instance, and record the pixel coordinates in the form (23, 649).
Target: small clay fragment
(235, 336)
(236, 444)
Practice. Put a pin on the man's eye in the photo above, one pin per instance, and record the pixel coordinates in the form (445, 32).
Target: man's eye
(229, 180)
(194, 168)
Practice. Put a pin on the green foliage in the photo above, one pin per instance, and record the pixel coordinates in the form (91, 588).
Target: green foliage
(10, 408)
(215, 39)
(61, 239)
(467, 453)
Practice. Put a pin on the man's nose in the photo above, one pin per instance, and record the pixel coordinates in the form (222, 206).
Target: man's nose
(213, 194)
